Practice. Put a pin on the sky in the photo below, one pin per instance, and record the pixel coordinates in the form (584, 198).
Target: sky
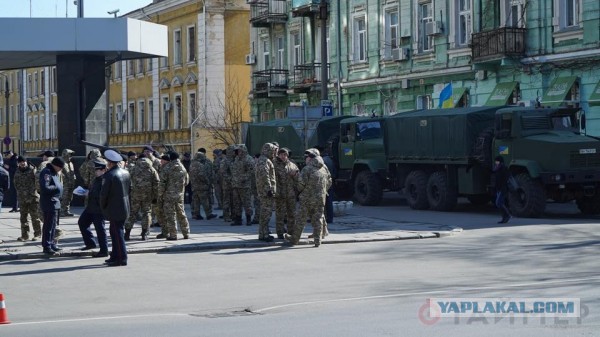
(56, 8)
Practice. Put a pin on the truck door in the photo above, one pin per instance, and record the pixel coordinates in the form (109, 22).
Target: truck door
(347, 143)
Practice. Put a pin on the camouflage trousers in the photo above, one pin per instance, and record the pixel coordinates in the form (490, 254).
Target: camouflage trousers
(67, 197)
(219, 194)
(201, 199)
(174, 212)
(226, 205)
(140, 203)
(241, 201)
(266, 210)
(314, 212)
(256, 202)
(285, 208)
(30, 208)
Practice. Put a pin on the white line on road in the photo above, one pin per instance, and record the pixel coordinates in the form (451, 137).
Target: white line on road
(99, 318)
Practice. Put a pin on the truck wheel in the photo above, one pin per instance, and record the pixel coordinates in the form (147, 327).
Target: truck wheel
(367, 189)
(441, 196)
(415, 189)
(479, 199)
(589, 205)
(529, 201)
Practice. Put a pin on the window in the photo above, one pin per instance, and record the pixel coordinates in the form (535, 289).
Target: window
(567, 14)
(360, 39)
(43, 82)
(463, 23)
(34, 135)
(391, 32)
(35, 84)
(118, 70)
(165, 112)
(131, 127)
(141, 116)
(512, 13)
(163, 62)
(54, 79)
(177, 47)
(191, 44)
(266, 56)
(423, 102)
(297, 42)
(54, 125)
(140, 66)
(42, 127)
(178, 114)
(29, 85)
(280, 52)
(30, 131)
(119, 118)
(130, 67)
(425, 16)
(150, 115)
(192, 106)
(150, 65)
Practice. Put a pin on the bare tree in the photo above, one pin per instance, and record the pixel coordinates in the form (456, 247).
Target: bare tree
(224, 120)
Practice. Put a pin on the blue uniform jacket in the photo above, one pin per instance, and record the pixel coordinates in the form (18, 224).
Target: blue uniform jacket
(51, 189)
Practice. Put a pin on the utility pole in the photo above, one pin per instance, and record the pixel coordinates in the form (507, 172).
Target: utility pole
(6, 97)
(324, 69)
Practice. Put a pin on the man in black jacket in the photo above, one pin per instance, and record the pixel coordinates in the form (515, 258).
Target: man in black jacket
(502, 175)
(50, 193)
(93, 214)
(10, 164)
(114, 202)
(4, 181)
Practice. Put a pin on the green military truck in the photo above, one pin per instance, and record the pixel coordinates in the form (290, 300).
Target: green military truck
(438, 155)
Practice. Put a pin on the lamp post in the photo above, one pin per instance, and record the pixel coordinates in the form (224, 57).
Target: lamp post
(6, 140)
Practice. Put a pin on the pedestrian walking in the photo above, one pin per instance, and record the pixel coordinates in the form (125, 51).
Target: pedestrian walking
(501, 185)
(114, 202)
(51, 190)
(92, 214)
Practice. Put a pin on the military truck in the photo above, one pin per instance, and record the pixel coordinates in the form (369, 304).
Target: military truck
(437, 155)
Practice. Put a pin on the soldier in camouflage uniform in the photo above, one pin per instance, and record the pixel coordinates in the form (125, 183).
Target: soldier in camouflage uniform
(201, 178)
(148, 152)
(131, 160)
(225, 172)
(217, 178)
(144, 191)
(241, 171)
(69, 178)
(313, 183)
(285, 198)
(25, 183)
(173, 179)
(87, 171)
(267, 188)
(255, 199)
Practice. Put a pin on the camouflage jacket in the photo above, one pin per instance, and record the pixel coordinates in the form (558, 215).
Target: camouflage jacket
(26, 184)
(173, 178)
(287, 178)
(86, 171)
(201, 172)
(313, 182)
(144, 180)
(265, 172)
(242, 171)
(68, 174)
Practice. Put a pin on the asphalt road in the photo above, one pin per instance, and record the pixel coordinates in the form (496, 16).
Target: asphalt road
(361, 289)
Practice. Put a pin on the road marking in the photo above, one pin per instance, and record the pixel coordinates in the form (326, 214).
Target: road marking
(99, 318)
(436, 292)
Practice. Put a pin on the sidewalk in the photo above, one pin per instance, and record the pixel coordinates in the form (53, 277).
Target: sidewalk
(214, 234)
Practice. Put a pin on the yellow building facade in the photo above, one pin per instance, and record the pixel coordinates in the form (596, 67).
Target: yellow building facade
(177, 102)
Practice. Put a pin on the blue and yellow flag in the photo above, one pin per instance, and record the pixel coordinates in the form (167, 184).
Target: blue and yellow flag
(446, 97)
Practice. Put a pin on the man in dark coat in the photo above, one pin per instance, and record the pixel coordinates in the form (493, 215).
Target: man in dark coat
(51, 190)
(10, 164)
(92, 214)
(4, 181)
(114, 202)
(502, 175)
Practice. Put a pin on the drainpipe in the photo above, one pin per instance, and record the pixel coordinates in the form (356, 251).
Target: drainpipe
(324, 79)
(339, 58)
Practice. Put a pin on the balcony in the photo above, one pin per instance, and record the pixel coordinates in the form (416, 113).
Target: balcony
(497, 44)
(270, 83)
(263, 13)
(307, 76)
(305, 7)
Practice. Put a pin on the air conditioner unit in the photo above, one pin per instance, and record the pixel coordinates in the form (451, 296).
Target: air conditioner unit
(434, 28)
(166, 106)
(250, 59)
(400, 54)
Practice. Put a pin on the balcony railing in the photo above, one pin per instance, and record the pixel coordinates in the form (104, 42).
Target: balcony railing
(270, 82)
(265, 12)
(498, 43)
(306, 76)
(305, 7)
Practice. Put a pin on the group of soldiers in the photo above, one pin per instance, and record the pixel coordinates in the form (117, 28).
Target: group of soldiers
(245, 188)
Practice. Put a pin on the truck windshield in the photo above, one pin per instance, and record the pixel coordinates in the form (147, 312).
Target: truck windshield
(369, 130)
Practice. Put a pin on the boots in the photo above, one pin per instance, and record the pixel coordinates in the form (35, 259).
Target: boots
(24, 235)
(127, 234)
(145, 234)
(248, 220)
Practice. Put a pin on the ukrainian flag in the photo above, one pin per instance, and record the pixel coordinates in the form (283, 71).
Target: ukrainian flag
(446, 97)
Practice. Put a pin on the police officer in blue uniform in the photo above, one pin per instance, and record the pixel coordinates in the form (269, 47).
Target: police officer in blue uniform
(51, 190)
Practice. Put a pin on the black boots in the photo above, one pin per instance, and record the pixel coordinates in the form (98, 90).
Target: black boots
(127, 234)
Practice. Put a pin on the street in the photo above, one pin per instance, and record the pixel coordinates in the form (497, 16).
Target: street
(359, 289)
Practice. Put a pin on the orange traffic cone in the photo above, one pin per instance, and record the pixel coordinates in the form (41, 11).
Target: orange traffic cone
(3, 315)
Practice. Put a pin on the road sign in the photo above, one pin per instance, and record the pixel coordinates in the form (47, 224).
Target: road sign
(327, 111)
(6, 140)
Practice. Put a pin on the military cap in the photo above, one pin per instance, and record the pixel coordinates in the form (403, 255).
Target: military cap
(165, 157)
(99, 164)
(113, 156)
(58, 161)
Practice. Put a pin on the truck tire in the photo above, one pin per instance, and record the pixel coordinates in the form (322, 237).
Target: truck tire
(479, 199)
(589, 205)
(367, 189)
(441, 196)
(415, 189)
(529, 201)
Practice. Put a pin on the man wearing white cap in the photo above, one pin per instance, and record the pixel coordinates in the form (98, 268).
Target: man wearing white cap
(114, 202)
